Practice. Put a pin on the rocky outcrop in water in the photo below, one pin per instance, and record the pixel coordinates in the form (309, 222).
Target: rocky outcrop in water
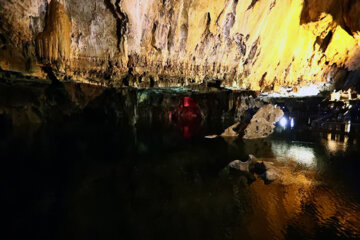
(264, 169)
(230, 131)
(260, 45)
(240, 165)
(262, 123)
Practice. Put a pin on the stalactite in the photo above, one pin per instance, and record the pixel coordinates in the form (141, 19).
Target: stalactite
(54, 42)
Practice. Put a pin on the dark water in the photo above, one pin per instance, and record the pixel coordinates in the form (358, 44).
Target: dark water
(90, 180)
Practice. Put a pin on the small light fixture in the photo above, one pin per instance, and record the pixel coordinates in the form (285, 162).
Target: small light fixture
(348, 127)
(283, 122)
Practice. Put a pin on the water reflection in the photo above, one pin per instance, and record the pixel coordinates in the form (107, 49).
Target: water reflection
(301, 208)
(348, 127)
(294, 152)
(336, 142)
(292, 123)
(300, 204)
(99, 182)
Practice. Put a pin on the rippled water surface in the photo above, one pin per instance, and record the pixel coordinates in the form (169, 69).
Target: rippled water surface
(81, 180)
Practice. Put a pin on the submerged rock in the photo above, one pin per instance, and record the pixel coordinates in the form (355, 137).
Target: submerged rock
(211, 136)
(262, 124)
(266, 170)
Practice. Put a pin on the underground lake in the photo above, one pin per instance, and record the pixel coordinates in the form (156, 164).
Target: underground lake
(105, 172)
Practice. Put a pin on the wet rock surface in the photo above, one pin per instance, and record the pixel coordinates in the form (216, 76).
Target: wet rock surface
(230, 131)
(240, 165)
(265, 170)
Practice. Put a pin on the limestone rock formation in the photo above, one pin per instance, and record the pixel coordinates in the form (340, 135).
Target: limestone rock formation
(260, 45)
(266, 170)
(239, 165)
(54, 42)
(262, 123)
(230, 132)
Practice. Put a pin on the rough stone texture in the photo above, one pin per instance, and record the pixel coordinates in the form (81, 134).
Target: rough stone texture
(230, 132)
(251, 44)
(239, 165)
(262, 124)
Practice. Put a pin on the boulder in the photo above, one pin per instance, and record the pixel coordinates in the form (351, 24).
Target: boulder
(270, 175)
(266, 170)
(239, 165)
(247, 166)
(262, 123)
(259, 168)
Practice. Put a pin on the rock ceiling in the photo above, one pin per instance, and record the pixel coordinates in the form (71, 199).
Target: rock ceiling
(247, 44)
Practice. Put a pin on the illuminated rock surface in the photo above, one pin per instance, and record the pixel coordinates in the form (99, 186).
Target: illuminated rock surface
(259, 45)
(230, 132)
(54, 42)
(262, 123)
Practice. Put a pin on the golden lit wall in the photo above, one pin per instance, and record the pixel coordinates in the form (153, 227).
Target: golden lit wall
(254, 44)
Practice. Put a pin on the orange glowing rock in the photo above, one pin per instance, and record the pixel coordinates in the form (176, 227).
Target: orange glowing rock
(54, 42)
(259, 45)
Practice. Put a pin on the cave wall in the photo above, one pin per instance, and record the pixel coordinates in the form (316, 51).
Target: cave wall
(250, 44)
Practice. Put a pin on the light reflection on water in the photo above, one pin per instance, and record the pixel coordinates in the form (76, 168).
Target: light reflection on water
(303, 203)
(334, 143)
(294, 152)
(300, 201)
(303, 206)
